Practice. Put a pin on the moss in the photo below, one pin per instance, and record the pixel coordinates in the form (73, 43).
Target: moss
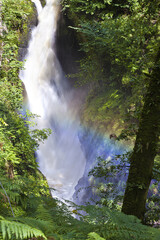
(43, 2)
(104, 112)
(25, 34)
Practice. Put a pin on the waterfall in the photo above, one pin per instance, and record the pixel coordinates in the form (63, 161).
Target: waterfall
(60, 158)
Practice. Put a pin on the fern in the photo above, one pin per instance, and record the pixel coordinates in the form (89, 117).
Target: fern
(18, 230)
(113, 225)
(51, 219)
(45, 226)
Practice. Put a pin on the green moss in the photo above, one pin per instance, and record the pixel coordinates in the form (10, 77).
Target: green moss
(104, 112)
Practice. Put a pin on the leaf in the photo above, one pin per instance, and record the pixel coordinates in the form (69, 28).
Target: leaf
(21, 231)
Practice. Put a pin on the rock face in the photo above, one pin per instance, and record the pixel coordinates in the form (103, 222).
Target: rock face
(67, 46)
(43, 2)
(94, 145)
(25, 36)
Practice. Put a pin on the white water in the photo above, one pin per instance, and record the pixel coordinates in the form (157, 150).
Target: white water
(60, 158)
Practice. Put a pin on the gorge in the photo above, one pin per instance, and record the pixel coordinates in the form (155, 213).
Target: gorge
(70, 152)
(78, 139)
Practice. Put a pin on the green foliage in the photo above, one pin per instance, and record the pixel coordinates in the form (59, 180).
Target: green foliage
(17, 230)
(17, 142)
(114, 225)
(96, 8)
(52, 219)
(120, 41)
(16, 16)
(105, 110)
(110, 181)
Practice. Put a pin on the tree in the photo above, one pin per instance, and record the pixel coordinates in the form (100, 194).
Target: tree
(145, 150)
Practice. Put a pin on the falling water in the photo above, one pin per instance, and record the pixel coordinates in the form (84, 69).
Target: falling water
(60, 158)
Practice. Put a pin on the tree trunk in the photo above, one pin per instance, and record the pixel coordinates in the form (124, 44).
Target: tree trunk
(142, 159)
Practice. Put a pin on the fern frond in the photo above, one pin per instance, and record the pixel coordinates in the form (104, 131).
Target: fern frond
(43, 225)
(44, 214)
(116, 225)
(19, 230)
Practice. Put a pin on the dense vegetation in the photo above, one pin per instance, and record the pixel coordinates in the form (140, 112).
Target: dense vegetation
(121, 39)
(121, 42)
